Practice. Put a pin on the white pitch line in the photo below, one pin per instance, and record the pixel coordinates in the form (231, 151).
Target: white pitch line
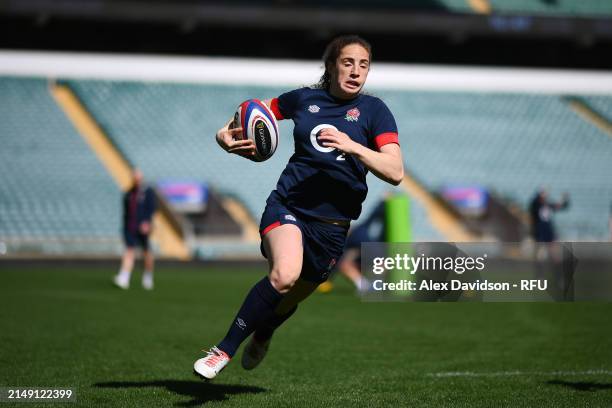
(517, 373)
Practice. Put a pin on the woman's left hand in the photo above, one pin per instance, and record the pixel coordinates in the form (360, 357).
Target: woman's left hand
(334, 138)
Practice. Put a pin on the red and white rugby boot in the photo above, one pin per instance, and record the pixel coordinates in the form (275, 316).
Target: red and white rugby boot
(208, 367)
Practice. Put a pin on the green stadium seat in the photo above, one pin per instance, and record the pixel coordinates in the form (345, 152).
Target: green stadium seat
(51, 183)
(600, 104)
(513, 144)
(582, 8)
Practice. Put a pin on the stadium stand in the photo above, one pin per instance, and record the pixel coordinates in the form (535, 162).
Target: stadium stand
(456, 6)
(429, 5)
(51, 184)
(168, 131)
(530, 140)
(592, 8)
(512, 144)
(572, 8)
(600, 104)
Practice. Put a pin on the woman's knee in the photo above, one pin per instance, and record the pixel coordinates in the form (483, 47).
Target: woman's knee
(283, 276)
(284, 249)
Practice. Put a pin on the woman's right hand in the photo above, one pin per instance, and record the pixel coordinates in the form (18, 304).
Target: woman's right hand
(227, 139)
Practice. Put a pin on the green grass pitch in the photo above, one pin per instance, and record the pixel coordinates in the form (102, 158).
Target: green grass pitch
(68, 327)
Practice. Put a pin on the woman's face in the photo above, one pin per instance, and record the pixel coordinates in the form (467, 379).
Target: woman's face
(350, 72)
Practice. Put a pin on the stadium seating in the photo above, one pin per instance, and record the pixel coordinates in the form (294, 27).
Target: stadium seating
(600, 104)
(426, 5)
(51, 184)
(529, 141)
(584, 8)
(512, 144)
(460, 6)
(593, 8)
(168, 131)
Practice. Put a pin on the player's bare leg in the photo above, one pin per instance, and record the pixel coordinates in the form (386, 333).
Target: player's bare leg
(122, 279)
(283, 245)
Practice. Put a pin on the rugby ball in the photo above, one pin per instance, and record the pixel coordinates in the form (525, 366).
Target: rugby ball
(258, 124)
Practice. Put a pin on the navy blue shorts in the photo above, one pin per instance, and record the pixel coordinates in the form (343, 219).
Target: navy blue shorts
(136, 239)
(323, 242)
(544, 232)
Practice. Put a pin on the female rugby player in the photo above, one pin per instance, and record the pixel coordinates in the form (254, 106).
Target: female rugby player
(340, 134)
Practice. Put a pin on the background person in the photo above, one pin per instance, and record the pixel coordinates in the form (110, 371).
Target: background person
(541, 211)
(138, 209)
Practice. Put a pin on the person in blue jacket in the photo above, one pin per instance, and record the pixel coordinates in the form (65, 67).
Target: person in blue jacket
(138, 210)
(541, 210)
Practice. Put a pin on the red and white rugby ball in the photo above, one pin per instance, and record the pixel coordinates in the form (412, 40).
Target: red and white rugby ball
(259, 125)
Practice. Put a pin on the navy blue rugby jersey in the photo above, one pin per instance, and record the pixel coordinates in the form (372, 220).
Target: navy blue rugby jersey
(322, 181)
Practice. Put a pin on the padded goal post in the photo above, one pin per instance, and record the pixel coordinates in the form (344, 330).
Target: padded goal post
(398, 230)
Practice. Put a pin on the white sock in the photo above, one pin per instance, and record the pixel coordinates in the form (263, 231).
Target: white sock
(147, 280)
(124, 274)
(363, 285)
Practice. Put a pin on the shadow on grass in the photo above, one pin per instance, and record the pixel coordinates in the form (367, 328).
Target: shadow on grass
(581, 385)
(199, 392)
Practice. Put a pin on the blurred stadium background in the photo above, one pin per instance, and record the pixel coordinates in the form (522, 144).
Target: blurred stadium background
(493, 99)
